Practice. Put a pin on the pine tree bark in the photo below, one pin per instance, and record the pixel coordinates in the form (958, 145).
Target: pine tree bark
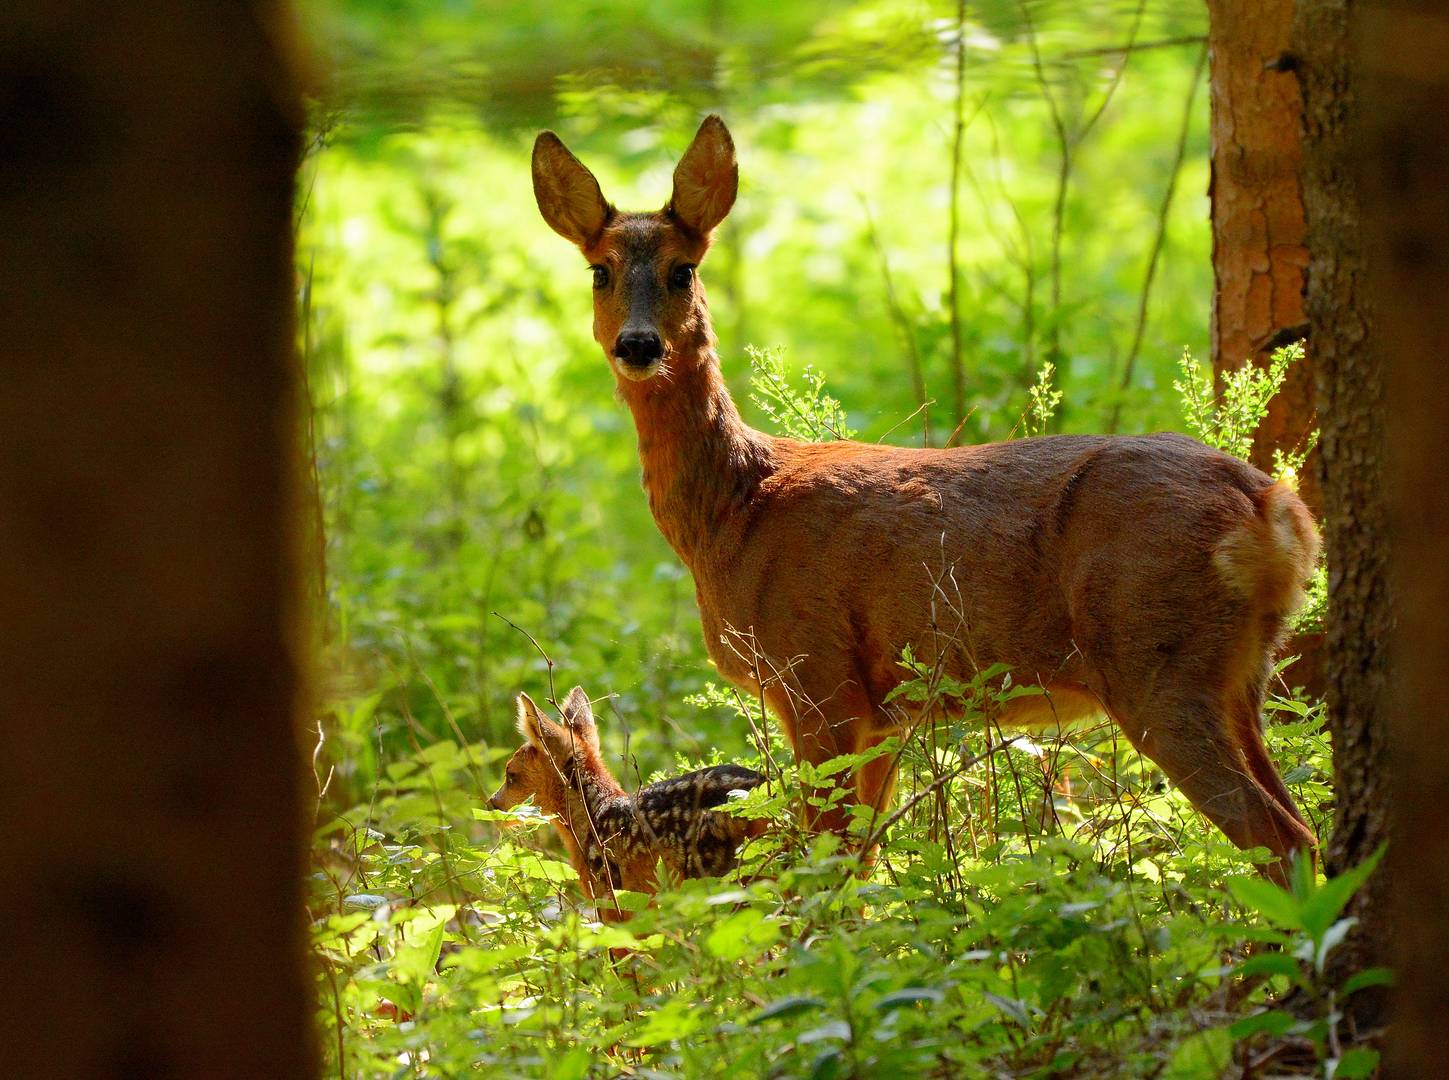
(1403, 166)
(151, 917)
(1354, 476)
(1259, 252)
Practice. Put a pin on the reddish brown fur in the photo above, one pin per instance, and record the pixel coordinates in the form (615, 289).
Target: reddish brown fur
(615, 840)
(1147, 577)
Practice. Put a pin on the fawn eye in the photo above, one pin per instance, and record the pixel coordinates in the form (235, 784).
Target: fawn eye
(601, 276)
(681, 277)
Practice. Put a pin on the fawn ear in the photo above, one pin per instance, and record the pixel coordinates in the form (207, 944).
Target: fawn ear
(579, 715)
(541, 732)
(706, 179)
(568, 195)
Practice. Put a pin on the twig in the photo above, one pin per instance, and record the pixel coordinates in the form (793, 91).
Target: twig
(958, 370)
(880, 830)
(1068, 143)
(1135, 46)
(548, 660)
(1158, 240)
(903, 325)
(922, 407)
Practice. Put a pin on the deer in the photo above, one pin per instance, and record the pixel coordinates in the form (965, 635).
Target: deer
(615, 840)
(1148, 578)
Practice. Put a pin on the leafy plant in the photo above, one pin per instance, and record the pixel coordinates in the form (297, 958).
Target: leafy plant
(1230, 420)
(1043, 400)
(803, 411)
(1310, 924)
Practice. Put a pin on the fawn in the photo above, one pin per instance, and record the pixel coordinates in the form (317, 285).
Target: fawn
(1147, 577)
(614, 839)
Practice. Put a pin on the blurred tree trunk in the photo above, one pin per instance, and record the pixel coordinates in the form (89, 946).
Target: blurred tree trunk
(151, 910)
(1259, 252)
(1403, 168)
(1354, 475)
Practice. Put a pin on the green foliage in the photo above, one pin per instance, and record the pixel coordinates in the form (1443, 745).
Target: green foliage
(997, 933)
(1310, 924)
(803, 412)
(1043, 400)
(1229, 421)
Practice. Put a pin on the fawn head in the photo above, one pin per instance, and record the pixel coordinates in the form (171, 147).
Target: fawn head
(647, 299)
(538, 768)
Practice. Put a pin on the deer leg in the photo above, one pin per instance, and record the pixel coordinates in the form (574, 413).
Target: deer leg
(812, 736)
(875, 781)
(1255, 752)
(1192, 742)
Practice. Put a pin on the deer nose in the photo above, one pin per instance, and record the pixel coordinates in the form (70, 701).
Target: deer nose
(639, 348)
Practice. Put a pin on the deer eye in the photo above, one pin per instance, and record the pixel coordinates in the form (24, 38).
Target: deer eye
(681, 277)
(601, 276)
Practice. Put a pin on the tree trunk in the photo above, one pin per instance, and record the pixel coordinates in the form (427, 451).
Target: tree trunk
(1259, 253)
(1403, 166)
(151, 917)
(1355, 475)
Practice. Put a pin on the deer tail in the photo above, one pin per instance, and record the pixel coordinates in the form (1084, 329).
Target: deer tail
(1269, 557)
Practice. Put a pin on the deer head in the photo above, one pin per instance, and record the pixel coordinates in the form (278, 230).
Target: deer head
(538, 768)
(649, 308)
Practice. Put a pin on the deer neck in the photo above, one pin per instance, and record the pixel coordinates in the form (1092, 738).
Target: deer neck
(589, 791)
(701, 461)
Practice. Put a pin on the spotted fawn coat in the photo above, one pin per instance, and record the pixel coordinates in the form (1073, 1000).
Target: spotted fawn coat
(615, 839)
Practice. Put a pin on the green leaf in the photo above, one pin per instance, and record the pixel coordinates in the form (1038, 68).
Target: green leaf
(1322, 908)
(786, 1007)
(674, 1020)
(744, 933)
(1330, 940)
(1273, 963)
(827, 1065)
(1356, 1064)
(1276, 905)
(913, 995)
(1374, 976)
(1273, 1022)
(1298, 774)
(572, 1065)
(1013, 1008)
(1205, 1055)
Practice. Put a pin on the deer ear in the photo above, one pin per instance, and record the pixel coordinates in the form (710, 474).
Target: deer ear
(706, 179)
(568, 196)
(541, 732)
(579, 715)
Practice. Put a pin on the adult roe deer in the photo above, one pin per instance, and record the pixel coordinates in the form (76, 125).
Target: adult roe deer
(1148, 577)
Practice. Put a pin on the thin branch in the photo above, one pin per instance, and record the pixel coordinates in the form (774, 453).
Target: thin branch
(903, 324)
(1136, 46)
(1065, 146)
(1068, 142)
(1158, 240)
(958, 369)
(875, 836)
(548, 660)
(922, 407)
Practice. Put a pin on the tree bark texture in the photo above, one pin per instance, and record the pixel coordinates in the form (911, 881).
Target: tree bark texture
(1403, 169)
(1259, 252)
(151, 905)
(1355, 473)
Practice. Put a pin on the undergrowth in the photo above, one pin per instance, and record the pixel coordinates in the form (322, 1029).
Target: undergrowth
(1042, 905)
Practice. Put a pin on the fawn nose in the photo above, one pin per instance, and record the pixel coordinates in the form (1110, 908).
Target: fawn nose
(638, 348)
